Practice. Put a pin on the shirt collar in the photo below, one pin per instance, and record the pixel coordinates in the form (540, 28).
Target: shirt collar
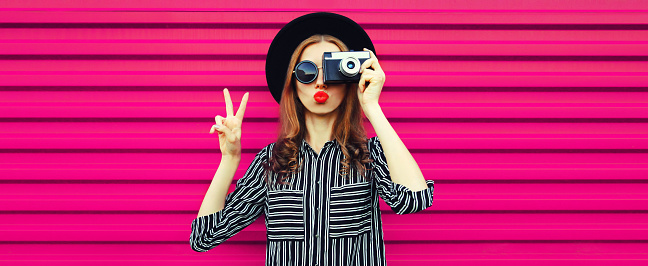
(305, 145)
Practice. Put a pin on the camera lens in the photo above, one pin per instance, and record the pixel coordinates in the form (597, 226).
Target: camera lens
(348, 66)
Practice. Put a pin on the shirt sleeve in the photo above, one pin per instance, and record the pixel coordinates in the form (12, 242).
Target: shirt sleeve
(401, 199)
(242, 207)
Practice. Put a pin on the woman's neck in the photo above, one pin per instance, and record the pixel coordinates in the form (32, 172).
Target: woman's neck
(319, 128)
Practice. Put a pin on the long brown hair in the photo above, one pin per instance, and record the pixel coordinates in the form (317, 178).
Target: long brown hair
(348, 128)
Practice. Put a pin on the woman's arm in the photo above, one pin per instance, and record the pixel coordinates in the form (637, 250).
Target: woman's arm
(229, 138)
(402, 167)
(214, 200)
(218, 222)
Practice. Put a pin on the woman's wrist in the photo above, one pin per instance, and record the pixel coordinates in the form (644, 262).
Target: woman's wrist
(372, 110)
(229, 158)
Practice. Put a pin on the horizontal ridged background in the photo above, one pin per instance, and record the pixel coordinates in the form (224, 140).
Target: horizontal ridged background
(530, 116)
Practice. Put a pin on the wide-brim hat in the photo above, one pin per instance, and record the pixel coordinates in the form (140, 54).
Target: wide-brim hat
(292, 34)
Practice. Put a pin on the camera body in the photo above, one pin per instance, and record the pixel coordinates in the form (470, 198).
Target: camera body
(343, 67)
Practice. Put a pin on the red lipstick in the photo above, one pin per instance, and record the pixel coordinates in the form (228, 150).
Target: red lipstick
(320, 96)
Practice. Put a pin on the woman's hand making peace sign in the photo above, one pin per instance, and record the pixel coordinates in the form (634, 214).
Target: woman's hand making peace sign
(229, 128)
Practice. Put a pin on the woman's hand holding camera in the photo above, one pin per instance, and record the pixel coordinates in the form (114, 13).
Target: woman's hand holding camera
(229, 128)
(374, 75)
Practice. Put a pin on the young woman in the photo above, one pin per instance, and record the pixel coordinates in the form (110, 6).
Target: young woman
(318, 184)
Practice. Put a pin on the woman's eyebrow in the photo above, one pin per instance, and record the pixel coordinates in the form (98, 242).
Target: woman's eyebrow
(316, 63)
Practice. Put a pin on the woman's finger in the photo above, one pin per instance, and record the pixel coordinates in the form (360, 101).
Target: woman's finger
(374, 63)
(241, 110)
(366, 64)
(228, 132)
(363, 80)
(369, 71)
(219, 120)
(228, 103)
(219, 123)
(213, 129)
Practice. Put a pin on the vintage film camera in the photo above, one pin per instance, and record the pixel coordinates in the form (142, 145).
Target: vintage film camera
(343, 67)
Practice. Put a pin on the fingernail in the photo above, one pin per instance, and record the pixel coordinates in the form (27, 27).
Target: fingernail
(217, 126)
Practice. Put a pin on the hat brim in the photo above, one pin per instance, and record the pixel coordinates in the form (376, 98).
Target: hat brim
(292, 34)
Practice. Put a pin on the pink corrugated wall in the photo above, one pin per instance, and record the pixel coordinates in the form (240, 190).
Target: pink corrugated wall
(531, 116)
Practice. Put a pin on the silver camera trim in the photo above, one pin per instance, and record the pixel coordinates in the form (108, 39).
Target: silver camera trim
(347, 71)
(357, 54)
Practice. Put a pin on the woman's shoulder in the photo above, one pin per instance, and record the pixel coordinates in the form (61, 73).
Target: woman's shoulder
(266, 151)
(373, 142)
(374, 146)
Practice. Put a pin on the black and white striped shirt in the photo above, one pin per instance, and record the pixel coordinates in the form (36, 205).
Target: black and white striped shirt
(320, 218)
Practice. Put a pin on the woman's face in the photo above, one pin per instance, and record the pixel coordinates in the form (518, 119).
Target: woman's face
(305, 92)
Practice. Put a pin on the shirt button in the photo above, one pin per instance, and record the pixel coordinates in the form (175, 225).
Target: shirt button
(318, 208)
(316, 235)
(318, 182)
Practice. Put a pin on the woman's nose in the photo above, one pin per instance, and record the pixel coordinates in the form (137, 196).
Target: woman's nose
(319, 82)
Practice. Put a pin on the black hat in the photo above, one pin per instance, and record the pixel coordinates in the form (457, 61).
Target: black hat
(292, 34)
